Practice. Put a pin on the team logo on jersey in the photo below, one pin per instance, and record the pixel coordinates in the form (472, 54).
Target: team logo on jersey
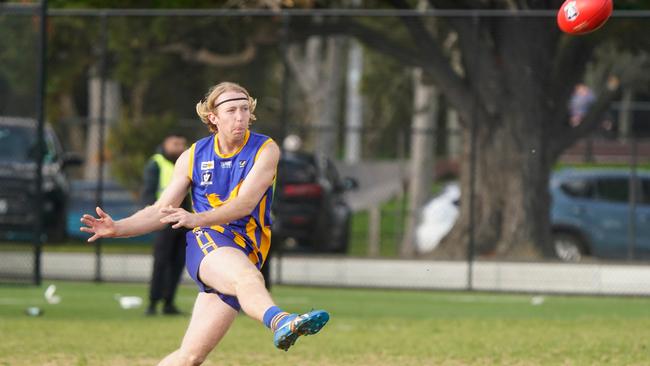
(207, 165)
(242, 163)
(206, 177)
(226, 164)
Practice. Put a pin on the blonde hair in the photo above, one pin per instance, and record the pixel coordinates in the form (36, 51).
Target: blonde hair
(206, 105)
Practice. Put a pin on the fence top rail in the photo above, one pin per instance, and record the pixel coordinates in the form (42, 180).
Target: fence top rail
(14, 8)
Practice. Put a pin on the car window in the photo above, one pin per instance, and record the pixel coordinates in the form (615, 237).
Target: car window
(16, 144)
(580, 188)
(296, 171)
(613, 189)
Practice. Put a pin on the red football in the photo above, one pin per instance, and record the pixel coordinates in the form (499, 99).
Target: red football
(583, 16)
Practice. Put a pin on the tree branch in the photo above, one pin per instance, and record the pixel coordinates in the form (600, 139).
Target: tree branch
(207, 57)
(480, 61)
(428, 56)
(431, 59)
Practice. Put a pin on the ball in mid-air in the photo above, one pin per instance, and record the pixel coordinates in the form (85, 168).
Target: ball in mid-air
(583, 16)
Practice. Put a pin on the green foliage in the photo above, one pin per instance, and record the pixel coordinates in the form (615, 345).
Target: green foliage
(640, 167)
(132, 144)
(18, 64)
(391, 230)
(155, 84)
(390, 98)
(368, 327)
(393, 217)
(72, 54)
(136, 4)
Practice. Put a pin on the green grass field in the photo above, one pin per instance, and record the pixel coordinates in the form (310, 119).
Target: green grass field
(368, 327)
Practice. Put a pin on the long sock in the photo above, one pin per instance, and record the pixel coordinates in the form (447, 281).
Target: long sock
(274, 317)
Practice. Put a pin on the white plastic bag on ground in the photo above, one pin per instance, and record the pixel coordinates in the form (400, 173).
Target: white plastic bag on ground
(50, 295)
(129, 302)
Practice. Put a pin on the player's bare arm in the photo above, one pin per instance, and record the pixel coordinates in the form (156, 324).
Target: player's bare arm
(250, 194)
(147, 219)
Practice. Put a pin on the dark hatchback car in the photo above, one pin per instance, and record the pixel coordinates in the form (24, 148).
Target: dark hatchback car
(310, 213)
(17, 181)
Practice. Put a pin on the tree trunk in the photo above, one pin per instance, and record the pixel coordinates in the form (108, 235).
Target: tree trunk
(421, 162)
(138, 94)
(510, 222)
(74, 130)
(512, 78)
(354, 104)
(111, 114)
(327, 120)
(318, 73)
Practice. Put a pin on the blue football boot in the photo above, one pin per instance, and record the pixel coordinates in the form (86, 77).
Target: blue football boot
(305, 324)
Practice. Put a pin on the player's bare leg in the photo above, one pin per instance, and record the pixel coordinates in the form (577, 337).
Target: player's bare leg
(211, 319)
(229, 271)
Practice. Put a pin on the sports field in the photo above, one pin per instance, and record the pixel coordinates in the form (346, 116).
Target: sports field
(368, 327)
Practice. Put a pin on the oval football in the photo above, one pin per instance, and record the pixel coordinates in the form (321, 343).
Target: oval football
(583, 16)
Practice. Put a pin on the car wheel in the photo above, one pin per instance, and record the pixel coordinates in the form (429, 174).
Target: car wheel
(343, 238)
(568, 247)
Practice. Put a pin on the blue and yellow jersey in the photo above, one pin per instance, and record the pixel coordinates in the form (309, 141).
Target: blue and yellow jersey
(216, 179)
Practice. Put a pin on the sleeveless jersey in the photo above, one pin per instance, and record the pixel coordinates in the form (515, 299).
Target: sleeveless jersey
(216, 179)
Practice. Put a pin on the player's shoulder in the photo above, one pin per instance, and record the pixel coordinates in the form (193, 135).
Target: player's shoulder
(207, 140)
(260, 141)
(203, 146)
(259, 137)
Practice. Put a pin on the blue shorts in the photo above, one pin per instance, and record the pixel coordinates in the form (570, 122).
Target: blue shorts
(202, 241)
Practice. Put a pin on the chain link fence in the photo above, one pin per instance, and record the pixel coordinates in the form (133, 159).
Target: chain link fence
(24, 138)
(444, 134)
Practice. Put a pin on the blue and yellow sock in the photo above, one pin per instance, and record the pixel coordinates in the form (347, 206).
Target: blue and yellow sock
(274, 318)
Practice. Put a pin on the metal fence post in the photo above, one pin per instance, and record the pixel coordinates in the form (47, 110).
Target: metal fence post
(40, 117)
(472, 182)
(102, 125)
(374, 228)
(633, 184)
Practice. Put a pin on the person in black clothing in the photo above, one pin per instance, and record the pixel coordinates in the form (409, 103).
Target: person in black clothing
(169, 245)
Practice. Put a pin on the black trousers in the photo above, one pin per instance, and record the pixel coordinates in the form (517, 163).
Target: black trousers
(168, 263)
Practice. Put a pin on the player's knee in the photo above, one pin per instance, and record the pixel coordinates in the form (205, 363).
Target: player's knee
(195, 360)
(191, 358)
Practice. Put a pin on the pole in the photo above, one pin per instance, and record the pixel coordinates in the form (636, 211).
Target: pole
(284, 106)
(631, 225)
(99, 192)
(40, 117)
(472, 183)
(472, 204)
(284, 116)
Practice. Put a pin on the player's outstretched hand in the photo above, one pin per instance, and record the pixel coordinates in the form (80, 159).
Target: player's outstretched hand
(179, 218)
(103, 227)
